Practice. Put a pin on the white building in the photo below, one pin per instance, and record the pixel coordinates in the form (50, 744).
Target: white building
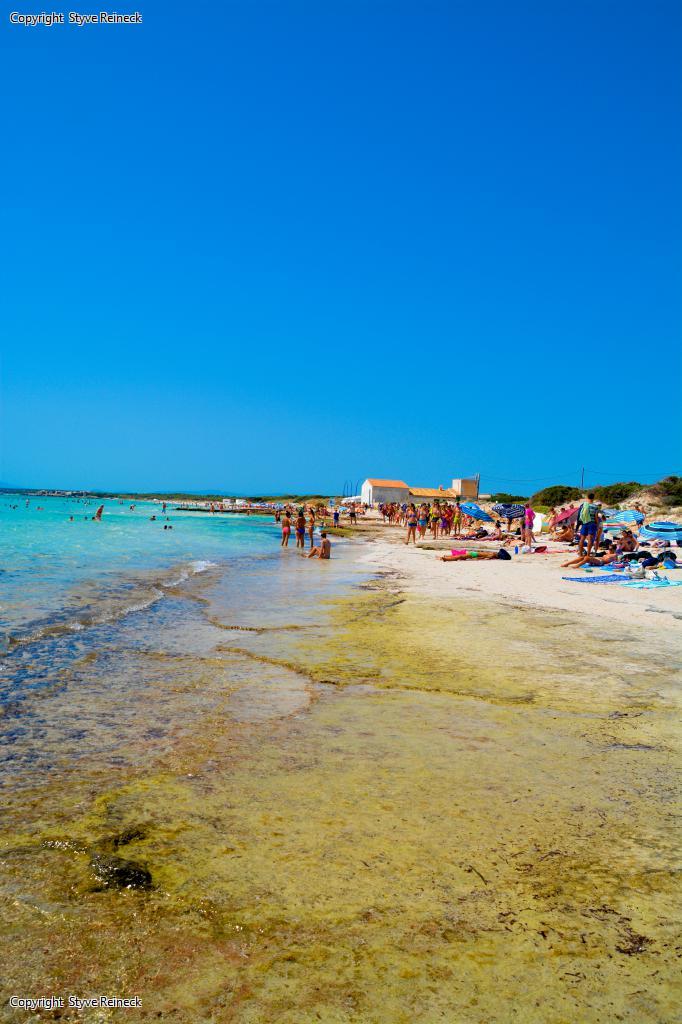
(466, 488)
(377, 491)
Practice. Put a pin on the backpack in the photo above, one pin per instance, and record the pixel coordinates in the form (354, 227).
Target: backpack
(587, 512)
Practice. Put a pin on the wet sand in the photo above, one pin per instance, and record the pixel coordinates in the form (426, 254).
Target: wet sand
(408, 809)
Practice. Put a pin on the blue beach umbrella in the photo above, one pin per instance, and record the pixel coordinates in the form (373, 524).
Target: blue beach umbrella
(662, 531)
(509, 510)
(617, 520)
(469, 508)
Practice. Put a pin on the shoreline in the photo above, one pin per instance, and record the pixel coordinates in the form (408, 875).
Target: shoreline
(375, 812)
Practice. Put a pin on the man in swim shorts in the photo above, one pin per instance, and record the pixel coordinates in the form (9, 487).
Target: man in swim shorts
(588, 516)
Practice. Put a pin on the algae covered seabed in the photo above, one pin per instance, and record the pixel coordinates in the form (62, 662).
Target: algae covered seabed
(397, 811)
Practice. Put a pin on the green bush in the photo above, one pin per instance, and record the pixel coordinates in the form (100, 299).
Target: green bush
(613, 494)
(669, 490)
(508, 499)
(558, 494)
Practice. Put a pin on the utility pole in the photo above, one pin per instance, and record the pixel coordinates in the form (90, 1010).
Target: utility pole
(582, 479)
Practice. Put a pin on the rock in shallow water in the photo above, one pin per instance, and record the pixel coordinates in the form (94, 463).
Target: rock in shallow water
(118, 873)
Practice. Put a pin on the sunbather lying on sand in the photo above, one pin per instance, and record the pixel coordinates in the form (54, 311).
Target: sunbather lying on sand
(605, 559)
(463, 556)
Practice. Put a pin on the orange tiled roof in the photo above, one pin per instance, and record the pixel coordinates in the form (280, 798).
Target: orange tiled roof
(432, 492)
(388, 483)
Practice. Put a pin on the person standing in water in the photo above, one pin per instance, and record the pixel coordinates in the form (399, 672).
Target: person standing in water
(300, 529)
(286, 530)
(311, 526)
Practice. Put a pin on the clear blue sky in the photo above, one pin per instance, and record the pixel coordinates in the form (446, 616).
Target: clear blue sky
(264, 246)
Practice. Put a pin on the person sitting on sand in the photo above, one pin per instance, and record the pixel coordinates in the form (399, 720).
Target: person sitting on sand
(605, 559)
(464, 556)
(628, 541)
(498, 530)
(324, 550)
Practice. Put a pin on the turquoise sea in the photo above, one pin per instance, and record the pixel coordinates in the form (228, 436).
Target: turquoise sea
(95, 617)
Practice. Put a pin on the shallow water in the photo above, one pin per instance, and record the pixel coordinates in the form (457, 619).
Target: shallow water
(351, 811)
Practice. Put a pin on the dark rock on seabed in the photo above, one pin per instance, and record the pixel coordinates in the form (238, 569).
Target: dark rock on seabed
(115, 872)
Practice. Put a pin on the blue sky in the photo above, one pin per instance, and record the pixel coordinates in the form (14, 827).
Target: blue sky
(276, 246)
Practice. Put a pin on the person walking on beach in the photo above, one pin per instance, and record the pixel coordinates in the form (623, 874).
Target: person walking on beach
(286, 530)
(423, 520)
(529, 519)
(411, 525)
(587, 518)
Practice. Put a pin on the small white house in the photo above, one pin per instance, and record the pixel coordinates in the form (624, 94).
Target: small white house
(376, 491)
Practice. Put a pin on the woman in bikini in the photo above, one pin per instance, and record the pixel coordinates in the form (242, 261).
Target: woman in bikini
(311, 526)
(411, 524)
(286, 530)
(423, 520)
(300, 530)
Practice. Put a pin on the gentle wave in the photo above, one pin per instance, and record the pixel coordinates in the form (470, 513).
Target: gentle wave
(107, 606)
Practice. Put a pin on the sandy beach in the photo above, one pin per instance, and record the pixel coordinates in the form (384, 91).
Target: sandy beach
(533, 580)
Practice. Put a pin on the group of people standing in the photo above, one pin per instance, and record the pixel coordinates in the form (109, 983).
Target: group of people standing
(304, 524)
(447, 519)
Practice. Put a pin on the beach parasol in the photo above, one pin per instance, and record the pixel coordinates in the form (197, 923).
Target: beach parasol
(471, 509)
(566, 516)
(509, 510)
(616, 520)
(662, 531)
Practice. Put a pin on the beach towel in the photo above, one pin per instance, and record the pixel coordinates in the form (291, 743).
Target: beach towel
(651, 584)
(610, 578)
